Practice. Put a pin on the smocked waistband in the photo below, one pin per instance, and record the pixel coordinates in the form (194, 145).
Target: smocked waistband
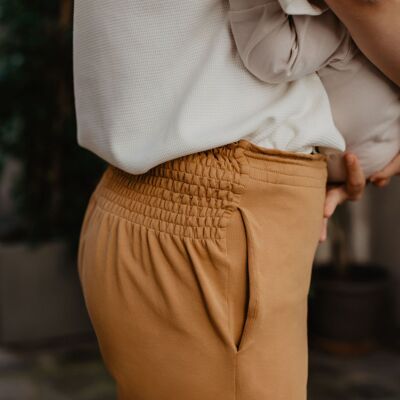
(193, 195)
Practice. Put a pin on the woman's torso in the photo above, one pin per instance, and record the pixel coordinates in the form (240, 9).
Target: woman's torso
(158, 80)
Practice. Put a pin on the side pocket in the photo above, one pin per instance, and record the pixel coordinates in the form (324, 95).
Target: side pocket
(241, 296)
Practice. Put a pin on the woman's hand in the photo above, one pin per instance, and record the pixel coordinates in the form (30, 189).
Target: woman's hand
(382, 178)
(352, 190)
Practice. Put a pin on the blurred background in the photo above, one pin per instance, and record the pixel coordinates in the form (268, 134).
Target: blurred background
(48, 349)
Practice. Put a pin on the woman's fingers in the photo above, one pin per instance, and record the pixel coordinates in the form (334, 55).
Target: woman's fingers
(382, 182)
(352, 190)
(334, 196)
(324, 230)
(356, 181)
(382, 178)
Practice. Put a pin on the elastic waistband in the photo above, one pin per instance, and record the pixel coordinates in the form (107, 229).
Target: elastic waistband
(193, 195)
(278, 166)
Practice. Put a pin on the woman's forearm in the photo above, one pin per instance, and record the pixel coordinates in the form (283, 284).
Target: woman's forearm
(375, 27)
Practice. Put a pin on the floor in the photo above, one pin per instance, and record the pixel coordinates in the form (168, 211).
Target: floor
(76, 372)
(60, 373)
(370, 377)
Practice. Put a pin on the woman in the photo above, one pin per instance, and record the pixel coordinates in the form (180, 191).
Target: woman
(197, 244)
(375, 27)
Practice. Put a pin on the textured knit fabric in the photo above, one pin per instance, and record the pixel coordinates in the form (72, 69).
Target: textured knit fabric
(303, 7)
(277, 48)
(196, 273)
(155, 80)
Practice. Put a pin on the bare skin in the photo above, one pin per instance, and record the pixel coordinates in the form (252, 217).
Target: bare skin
(352, 190)
(382, 178)
(375, 27)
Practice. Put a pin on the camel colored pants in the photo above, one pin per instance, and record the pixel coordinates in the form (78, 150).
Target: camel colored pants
(196, 273)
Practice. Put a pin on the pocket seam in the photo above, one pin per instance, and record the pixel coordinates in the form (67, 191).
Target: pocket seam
(252, 300)
(252, 305)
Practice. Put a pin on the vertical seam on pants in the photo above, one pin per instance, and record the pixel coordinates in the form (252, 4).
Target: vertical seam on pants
(244, 180)
(235, 369)
(252, 310)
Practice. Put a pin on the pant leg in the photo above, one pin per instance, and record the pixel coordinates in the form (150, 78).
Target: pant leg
(282, 209)
(155, 269)
(195, 274)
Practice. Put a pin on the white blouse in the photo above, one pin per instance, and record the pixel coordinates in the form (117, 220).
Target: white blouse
(156, 80)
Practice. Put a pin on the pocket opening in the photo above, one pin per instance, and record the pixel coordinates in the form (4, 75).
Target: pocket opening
(241, 282)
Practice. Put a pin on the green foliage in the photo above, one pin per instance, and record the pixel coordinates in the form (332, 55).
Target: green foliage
(37, 118)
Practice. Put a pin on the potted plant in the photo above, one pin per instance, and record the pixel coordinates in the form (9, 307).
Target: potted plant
(39, 290)
(349, 301)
